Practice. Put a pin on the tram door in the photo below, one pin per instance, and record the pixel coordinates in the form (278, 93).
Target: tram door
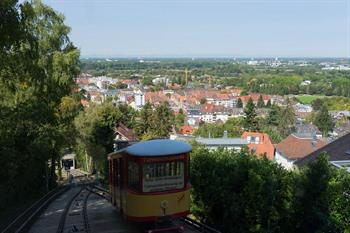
(120, 180)
(114, 180)
(117, 182)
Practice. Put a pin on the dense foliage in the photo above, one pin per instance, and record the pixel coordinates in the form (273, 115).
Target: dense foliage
(236, 192)
(250, 122)
(232, 126)
(38, 64)
(323, 120)
(156, 122)
(96, 130)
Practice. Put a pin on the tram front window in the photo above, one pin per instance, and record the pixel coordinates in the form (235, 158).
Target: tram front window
(165, 176)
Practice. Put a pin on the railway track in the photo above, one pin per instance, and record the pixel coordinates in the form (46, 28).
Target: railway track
(74, 217)
(99, 191)
(23, 222)
(193, 225)
(197, 226)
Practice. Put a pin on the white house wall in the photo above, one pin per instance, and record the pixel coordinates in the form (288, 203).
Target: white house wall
(283, 161)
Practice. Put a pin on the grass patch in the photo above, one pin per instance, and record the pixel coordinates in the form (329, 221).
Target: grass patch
(307, 99)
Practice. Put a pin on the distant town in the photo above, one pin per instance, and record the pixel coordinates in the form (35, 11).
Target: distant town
(213, 99)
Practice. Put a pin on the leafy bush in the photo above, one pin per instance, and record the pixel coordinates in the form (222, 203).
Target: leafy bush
(236, 192)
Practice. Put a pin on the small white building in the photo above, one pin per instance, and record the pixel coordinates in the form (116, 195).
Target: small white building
(139, 99)
(225, 142)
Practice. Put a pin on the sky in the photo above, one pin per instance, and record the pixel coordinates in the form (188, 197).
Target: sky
(208, 28)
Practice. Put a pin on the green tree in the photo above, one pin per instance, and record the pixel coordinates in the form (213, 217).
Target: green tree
(128, 115)
(287, 120)
(314, 198)
(163, 120)
(236, 192)
(180, 119)
(340, 205)
(239, 103)
(95, 128)
(274, 117)
(260, 103)
(250, 117)
(144, 124)
(317, 104)
(268, 104)
(323, 120)
(38, 67)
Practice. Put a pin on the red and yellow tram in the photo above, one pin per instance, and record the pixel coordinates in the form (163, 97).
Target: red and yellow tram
(149, 180)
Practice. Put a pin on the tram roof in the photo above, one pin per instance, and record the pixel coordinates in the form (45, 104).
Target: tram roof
(159, 147)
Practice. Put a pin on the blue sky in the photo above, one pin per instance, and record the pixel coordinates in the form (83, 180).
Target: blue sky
(208, 28)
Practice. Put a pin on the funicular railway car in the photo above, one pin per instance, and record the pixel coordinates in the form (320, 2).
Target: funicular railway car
(149, 180)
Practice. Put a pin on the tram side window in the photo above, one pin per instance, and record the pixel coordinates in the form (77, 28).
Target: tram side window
(133, 175)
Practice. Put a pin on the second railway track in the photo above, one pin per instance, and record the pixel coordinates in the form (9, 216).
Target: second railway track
(74, 217)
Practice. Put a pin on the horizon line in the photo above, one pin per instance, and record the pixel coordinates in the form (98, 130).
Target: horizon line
(206, 57)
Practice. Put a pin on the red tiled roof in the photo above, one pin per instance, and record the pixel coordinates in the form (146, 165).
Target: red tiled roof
(211, 108)
(337, 150)
(265, 145)
(295, 148)
(186, 129)
(84, 81)
(255, 97)
(207, 108)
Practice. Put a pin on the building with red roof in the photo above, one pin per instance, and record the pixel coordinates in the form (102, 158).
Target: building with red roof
(186, 130)
(260, 144)
(255, 97)
(295, 147)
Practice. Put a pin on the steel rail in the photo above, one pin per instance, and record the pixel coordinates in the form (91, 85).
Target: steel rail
(200, 227)
(65, 213)
(22, 222)
(62, 221)
(85, 214)
(105, 193)
(196, 225)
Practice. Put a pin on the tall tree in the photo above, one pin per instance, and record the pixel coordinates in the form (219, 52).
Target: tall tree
(250, 117)
(274, 118)
(38, 67)
(317, 104)
(260, 103)
(163, 120)
(268, 104)
(323, 120)
(145, 123)
(313, 202)
(180, 119)
(95, 128)
(287, 120)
